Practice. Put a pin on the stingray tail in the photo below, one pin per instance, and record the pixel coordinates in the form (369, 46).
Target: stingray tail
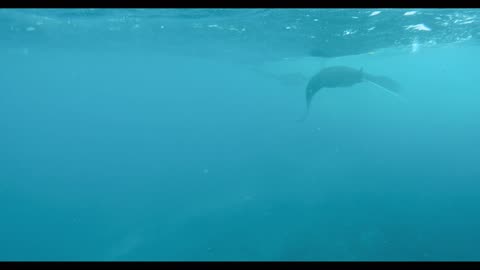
(304, 116)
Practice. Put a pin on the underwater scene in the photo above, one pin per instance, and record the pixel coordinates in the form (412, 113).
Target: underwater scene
(239, 134)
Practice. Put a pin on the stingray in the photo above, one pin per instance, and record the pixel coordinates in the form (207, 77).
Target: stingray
(342, 76)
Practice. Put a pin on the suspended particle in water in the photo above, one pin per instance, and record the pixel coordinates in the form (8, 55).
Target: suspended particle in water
(415, 46)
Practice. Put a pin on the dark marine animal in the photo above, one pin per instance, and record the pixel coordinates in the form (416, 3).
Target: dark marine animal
(343, 76)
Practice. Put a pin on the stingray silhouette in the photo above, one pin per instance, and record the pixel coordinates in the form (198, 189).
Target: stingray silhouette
(343, 76)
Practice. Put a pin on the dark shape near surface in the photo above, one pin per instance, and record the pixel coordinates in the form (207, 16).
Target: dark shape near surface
(344, 47)
(337, 52)
(342, 76)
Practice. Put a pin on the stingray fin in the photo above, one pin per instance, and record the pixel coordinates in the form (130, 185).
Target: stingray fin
(383, 82)
(392, 91)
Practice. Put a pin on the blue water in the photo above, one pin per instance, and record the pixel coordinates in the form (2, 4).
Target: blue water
(172, 135)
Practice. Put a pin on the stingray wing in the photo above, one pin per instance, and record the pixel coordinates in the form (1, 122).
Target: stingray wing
(384, 82)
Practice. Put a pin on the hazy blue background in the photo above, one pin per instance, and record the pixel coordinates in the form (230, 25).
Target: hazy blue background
(172, 135)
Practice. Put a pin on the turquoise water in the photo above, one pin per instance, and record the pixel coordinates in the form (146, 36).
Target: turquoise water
(173, 135)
